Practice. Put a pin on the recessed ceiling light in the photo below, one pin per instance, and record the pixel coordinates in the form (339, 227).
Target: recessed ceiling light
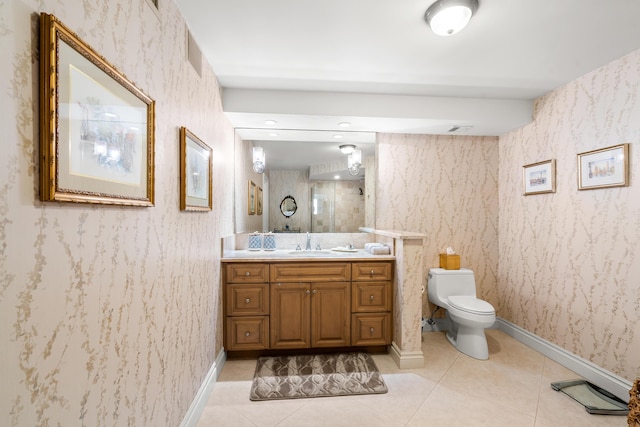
(269, 122)
(344, 124)
(273, 134)
(337, 177)
(338, 136)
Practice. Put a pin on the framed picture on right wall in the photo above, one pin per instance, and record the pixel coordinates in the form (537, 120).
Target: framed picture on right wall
(603, 168)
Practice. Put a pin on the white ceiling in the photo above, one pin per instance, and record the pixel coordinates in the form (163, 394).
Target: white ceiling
(311, 64)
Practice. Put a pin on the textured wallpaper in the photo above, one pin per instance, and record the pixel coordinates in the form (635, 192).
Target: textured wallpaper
(447, 188)
(109, 316)
(570, 261)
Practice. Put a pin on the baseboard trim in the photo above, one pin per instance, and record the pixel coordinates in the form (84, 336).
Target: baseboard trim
(602, 378)
(200, 401)
(406, 359)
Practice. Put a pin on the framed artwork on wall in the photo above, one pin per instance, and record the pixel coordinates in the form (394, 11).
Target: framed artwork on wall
(603, 168)
(96, 127)
(539, 178)
(251, 198)
(196, 167)
(259, 200)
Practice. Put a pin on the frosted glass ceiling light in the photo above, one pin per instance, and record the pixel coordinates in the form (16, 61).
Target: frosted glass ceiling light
(258, 160)
(447, 17)
(347, 148)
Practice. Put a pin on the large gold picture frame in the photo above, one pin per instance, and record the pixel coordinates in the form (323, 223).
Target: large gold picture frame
(196, 168)
(96, 127)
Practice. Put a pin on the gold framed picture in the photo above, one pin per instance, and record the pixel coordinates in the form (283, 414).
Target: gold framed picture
(603, 168)
(96, 127)
(539, 178)
(196, 167)
(259, 200)
(251, 198)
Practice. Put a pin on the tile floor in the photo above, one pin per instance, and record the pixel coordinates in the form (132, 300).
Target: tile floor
(511, 389)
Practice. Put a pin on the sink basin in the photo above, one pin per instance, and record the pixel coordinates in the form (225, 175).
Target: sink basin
(310, 253)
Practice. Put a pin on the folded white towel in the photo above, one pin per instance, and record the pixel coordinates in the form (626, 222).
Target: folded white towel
(380, 250)
(377, 248)
(368, 246)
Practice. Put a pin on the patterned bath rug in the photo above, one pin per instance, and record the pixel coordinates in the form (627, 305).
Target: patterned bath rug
(321, 375)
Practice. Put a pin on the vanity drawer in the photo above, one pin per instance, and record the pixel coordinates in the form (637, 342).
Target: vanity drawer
(370, 329)
(247, 333)
(367, 271)
(371, 296)
(247, 299)
(311, 272)
(247, 273)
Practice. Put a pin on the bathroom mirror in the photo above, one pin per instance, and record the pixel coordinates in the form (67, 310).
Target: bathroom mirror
(288, 206)
(306, 166)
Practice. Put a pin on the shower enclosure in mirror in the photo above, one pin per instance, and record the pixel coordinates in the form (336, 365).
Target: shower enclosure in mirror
(337, 206)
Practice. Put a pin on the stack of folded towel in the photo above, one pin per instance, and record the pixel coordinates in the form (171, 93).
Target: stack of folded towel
(377, 249)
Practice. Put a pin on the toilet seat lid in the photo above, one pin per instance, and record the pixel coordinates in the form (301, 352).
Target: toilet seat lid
(471, 304)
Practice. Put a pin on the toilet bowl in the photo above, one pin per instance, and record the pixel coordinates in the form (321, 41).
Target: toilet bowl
(455, 291)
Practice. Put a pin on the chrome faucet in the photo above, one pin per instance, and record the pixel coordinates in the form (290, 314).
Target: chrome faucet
(308, 248)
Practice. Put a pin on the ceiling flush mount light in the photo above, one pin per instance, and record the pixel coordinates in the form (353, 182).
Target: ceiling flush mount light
(347, 148)
(258, 160)
(447, 17)
(354, 161)
(270, 122)
(344, 124)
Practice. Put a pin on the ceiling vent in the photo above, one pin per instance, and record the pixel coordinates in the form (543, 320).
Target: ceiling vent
(194, 55)
(460, 129)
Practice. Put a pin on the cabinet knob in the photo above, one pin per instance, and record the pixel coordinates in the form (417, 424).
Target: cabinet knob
(246, 334)
(370, 330)
(371, 298)
(247, 274)
(308, 292)
(372, 273)
(248, 300)
(314, 291)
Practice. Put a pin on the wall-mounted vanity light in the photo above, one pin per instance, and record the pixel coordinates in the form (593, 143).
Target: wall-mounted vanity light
(258, 160)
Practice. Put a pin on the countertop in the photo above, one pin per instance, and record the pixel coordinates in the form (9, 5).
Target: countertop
(307, 256)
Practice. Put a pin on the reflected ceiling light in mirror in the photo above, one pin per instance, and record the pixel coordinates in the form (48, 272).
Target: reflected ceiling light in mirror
(347, 148)
(344, 124)
(447, 17)
(354, 161)
(337, 136)
(270, 122)
(258, 160)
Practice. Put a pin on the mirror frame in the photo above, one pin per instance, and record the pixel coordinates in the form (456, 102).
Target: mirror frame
(285, 202)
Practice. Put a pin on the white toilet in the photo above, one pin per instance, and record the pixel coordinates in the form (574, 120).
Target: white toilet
(455, 291)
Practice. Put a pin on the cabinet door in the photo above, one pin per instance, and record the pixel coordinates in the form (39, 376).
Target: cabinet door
(371, 296)
(290, 316)
(371, 329)
(247, 333)
(330, 314)
(247, 300)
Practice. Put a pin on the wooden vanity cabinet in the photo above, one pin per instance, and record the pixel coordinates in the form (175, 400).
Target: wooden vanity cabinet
(306, 313)
(298, 305)
(246, 297)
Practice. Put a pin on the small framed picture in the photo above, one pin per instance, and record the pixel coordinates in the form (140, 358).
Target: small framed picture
(195, 173)
(606, 167)
(251, 198)
(259, 200)
(539, 178)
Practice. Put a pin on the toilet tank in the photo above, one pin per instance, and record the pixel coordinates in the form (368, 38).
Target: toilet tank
(441, 284)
